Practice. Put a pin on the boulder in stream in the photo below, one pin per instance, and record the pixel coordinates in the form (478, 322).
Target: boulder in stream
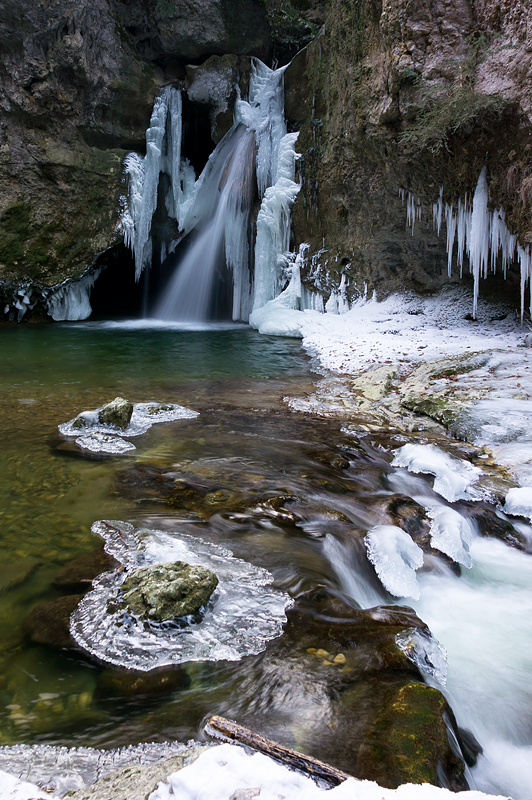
(118, 413)
(167, 591)
(49, 623)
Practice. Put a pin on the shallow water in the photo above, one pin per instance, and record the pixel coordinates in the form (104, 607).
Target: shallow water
(226, 477)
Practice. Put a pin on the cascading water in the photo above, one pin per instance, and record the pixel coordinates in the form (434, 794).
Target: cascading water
(216, 209)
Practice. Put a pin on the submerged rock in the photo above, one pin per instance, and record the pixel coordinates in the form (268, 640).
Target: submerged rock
(167, 591)
(49, 623)
(77, 575)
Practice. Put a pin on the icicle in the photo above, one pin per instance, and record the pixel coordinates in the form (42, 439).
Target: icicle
(450, 220)
(437, 211)
(525, 263)
(479, 234)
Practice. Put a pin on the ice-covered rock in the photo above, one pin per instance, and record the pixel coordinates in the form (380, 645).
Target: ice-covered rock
(104, 427)
(425, 652)
(451, 534)
(453, 477)
(247, 613)
(396, 557)
(518, 502)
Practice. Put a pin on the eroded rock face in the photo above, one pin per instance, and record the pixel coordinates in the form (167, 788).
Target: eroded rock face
(167, 591)
(407, 96)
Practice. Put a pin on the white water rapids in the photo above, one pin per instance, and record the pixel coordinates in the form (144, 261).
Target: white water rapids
(482, 619)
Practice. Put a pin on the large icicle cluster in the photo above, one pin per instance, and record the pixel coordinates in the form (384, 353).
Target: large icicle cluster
(163, 154)
(479, 233)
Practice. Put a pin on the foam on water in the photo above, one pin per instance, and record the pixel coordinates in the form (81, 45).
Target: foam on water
(243, 614)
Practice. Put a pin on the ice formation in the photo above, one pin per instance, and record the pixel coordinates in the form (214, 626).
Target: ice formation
(480, 233)
(518, 502)
(451, 533)
(420, 647)
(453, 477)
(396, 557)
(71, 299)
(243, 614)
(65, 769)
(104, 438)
(217, 206)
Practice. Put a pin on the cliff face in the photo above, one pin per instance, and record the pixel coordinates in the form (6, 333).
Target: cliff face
(77, 84)
(408, 95)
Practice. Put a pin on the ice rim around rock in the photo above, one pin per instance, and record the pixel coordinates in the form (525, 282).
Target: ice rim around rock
(97, 437)
(243, 614)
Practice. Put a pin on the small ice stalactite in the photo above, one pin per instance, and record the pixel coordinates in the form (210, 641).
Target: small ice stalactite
(453, 477)
(451, 534)
(437, 212)
(396, 557)
(450, 220)
(71, 300)
(479, 234)
(413, 209)
(429, 656)
(243, 614)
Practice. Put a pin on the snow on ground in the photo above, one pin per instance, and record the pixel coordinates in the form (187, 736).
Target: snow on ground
(406, 331)
(227, 772)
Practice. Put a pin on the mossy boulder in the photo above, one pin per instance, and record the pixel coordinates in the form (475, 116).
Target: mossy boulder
(168, 591)
(118, 413)
(409, 741)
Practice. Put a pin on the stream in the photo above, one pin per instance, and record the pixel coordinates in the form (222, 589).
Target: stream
(287, 492)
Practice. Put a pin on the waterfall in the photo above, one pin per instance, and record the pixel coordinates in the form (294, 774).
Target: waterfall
(188, 296)
(256, 155)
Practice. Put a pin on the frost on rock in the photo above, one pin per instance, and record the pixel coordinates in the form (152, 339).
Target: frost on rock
(396, 557)
(518, 502)
(243, 614)
(453, 477)
(102, 437)
(451, 534)
(425, 652)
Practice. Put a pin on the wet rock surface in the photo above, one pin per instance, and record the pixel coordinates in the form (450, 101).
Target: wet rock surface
(49, 623)
(77, 576)
(167, 591)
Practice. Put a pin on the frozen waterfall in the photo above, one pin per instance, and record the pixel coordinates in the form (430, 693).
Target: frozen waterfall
(253, 167)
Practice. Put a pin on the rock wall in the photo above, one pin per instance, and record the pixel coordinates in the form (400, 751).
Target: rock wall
(77, 84)
(407, 95)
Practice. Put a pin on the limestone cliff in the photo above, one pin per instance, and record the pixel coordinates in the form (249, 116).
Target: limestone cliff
(407, 95)
(77, 85)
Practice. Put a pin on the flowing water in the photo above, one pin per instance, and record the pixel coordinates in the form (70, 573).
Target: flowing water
(284, 492)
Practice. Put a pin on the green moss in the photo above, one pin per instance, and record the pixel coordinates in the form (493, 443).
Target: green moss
(438, 117)
(14, 231)
(289, 30)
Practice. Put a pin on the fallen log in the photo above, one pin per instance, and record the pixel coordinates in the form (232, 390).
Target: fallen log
(229, 731)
